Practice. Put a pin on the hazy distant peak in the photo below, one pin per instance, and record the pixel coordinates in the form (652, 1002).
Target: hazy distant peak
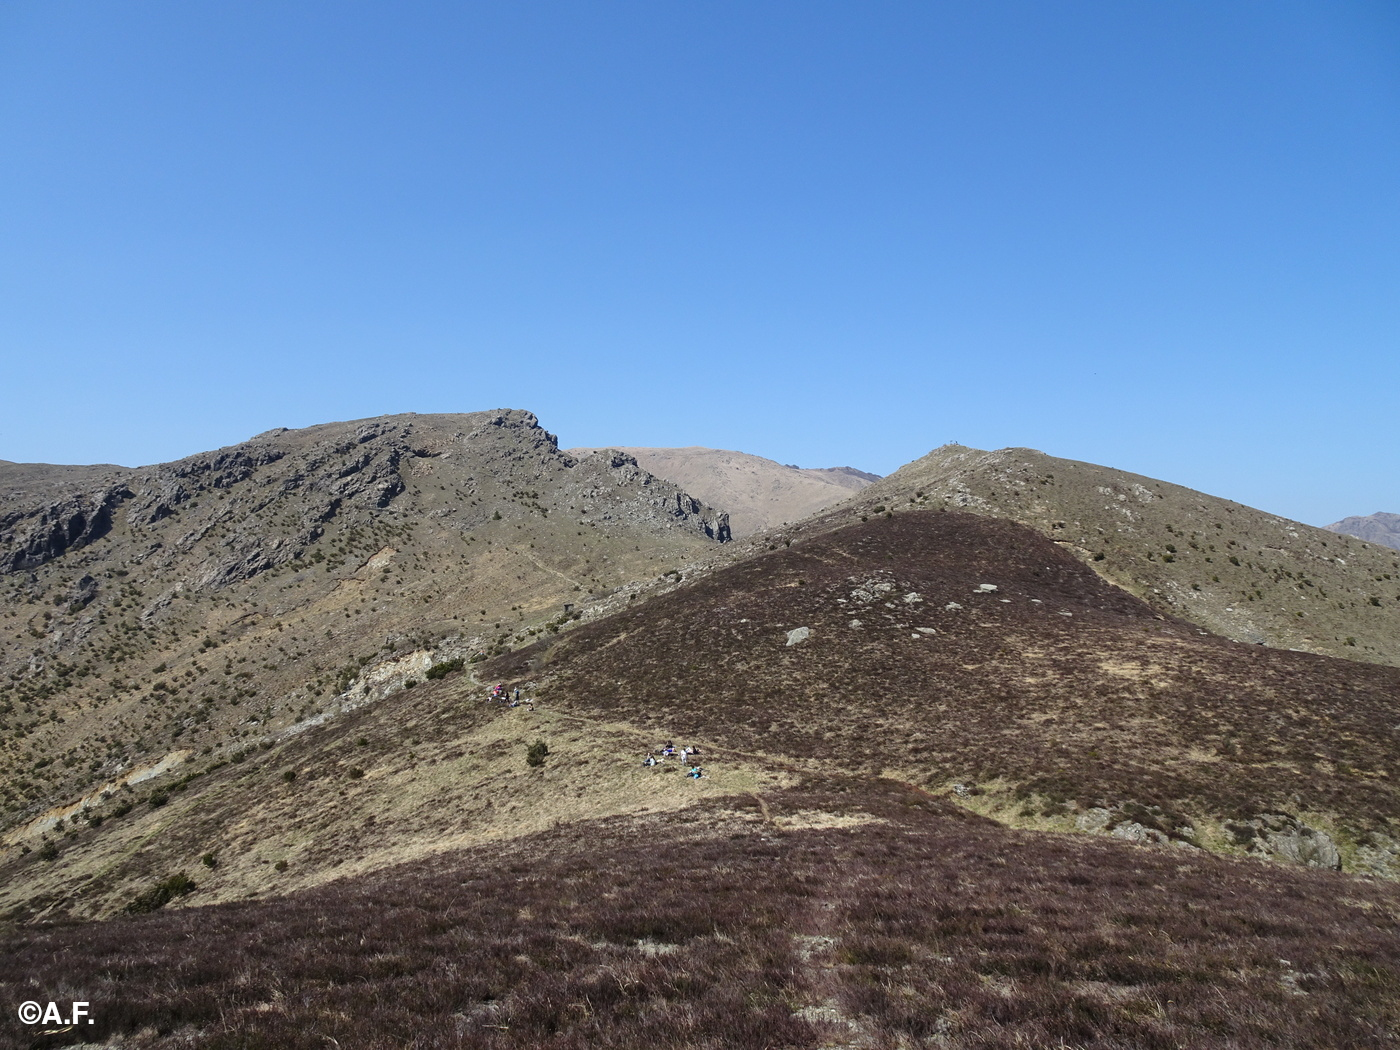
(1379, 527)
(758, 493)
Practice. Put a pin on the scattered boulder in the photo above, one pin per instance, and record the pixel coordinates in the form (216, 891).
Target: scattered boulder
(1282, 837)
(798, 635)
(1132, 831)
(1096, 819)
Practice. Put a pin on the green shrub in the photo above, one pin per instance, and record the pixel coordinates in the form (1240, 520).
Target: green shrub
(209, 860)
(443, 669)
(162, 893)
(535, 755)
(49, 851)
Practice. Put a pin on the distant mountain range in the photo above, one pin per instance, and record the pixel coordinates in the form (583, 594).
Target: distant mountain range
(1379, 528)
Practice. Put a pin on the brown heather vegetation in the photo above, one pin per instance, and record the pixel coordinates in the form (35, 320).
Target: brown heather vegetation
(1058, 683)
(735, 926)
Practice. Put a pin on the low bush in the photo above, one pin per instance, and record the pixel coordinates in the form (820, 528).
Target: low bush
(162, 893)
(442, 670)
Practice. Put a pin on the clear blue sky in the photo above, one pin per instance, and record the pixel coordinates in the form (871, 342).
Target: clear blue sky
(1160, 236)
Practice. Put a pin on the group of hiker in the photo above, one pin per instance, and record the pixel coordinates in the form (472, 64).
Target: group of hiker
(501, 695)
(684, 755)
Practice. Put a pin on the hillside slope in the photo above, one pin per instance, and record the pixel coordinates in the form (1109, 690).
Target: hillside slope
(1234, 570)
(758, 493)
(948, 649)
(197, 607)
(398, 868)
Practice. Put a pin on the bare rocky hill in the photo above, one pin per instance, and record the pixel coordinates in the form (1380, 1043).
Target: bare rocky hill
(758, 493)
(1380, 528)
(1231, 569)
(194, 607)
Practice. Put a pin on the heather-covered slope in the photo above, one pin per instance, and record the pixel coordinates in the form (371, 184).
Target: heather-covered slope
(950, 649)
(1236, 571)
(839, 913)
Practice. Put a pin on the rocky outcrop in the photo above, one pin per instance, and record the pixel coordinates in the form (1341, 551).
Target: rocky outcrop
(31, 536)
(1282, 837)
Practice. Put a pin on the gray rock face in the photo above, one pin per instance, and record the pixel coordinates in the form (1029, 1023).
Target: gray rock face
(1286, 838)
(42, 531)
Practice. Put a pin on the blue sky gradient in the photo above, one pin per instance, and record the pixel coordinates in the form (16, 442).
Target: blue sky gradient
(1163, 237)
